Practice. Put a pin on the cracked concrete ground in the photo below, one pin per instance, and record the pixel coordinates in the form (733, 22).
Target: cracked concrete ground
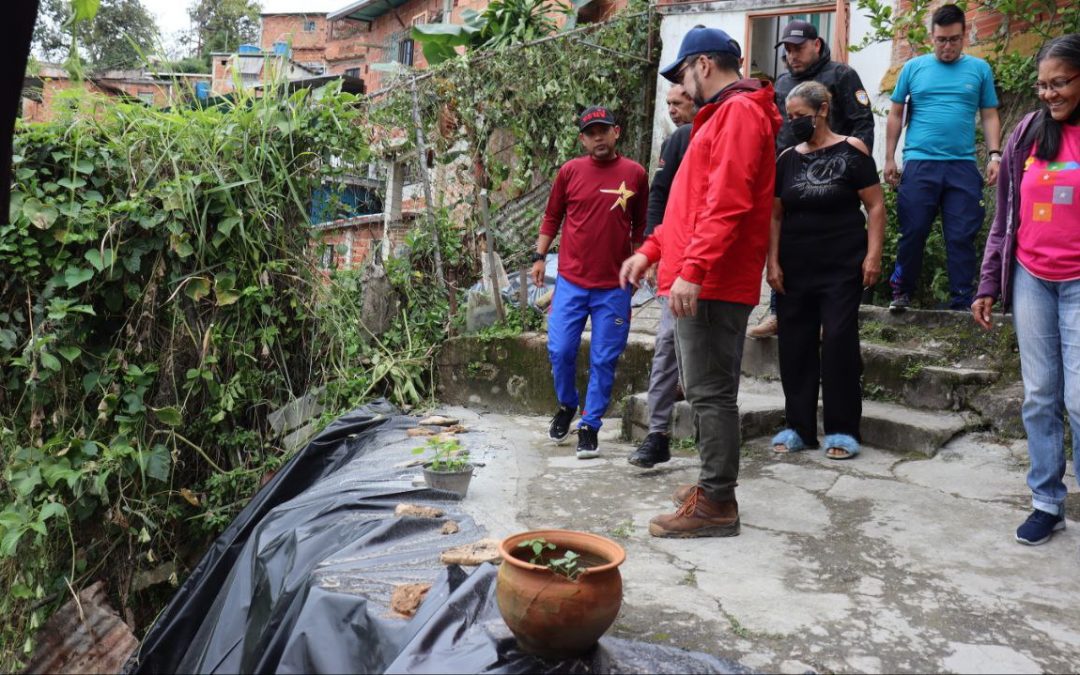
(884, 563)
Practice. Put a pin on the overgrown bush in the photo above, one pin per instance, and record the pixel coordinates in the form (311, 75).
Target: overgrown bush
(157, 301)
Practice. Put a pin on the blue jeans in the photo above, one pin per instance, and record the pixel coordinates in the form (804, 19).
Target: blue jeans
(1047, 318)
(955, 188)
(610, 312)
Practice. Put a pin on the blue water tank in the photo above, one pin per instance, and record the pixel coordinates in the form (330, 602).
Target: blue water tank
(249, 49)
(281, 49)
(202, 90)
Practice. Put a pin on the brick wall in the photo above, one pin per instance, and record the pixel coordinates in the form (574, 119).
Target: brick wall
(352, 240)
(983, 25)
(163, 93)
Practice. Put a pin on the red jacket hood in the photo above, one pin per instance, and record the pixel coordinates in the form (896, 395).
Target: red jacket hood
(760, 92)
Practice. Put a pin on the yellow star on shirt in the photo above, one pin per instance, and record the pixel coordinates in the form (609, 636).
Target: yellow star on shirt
(623, 193)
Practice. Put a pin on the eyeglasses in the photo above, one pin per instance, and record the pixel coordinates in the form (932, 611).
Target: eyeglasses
(1054, 85)
(951, 40)
(678, 76)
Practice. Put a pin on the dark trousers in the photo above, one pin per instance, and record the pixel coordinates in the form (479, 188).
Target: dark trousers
(709, 350)
(955, 189)
(819, 344)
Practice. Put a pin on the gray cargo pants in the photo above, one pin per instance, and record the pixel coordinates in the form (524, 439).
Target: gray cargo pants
(709, 349)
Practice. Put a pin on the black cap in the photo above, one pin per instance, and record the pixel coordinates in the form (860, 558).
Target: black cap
(596, 114)
(797, 32)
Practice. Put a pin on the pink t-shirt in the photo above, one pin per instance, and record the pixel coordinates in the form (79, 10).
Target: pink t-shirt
(1048, 241)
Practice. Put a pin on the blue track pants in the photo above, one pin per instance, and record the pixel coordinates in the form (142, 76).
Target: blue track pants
(610, 313)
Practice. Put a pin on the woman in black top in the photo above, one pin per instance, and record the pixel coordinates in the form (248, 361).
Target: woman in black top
(821, 256)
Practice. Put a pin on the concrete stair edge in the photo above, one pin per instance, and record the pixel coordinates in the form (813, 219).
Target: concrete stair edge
(884, 425)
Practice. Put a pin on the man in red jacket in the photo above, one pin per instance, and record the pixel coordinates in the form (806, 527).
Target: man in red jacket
(711, 247)
(598, 202)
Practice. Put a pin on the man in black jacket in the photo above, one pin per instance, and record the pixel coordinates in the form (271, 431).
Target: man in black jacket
(808, 58)
(664, 376)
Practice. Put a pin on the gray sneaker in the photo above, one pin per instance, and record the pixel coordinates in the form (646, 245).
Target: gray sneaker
(900, 303)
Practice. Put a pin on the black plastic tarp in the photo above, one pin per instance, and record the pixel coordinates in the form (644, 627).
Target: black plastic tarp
(300, 581)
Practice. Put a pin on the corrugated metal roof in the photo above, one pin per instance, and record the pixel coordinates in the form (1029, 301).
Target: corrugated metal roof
(83, 637)
(250, 65)
(365, 10)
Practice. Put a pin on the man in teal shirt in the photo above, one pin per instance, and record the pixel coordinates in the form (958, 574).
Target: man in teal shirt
(941, 93)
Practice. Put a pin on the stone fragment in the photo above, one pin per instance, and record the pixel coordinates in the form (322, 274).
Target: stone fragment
(417, 511)
(439, 421)
(450, 527)
(407, 598)
(476, 553)
(159, 575)
(456, 429)
(419, 431)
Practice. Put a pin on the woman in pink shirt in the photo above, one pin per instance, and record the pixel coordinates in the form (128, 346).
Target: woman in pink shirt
(1032, 263)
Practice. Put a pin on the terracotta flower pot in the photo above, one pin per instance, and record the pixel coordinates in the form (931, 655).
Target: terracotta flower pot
(550, 615)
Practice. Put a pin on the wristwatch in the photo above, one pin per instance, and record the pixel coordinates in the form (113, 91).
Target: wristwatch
(994, 155)
(537, 257)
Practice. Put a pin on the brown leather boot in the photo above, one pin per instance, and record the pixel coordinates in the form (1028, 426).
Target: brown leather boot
(698, 516)
(681, 493)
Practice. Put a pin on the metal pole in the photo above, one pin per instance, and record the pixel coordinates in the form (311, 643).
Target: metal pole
(489, 246)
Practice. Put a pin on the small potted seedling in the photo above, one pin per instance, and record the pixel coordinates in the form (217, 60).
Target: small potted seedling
(567, 565)
(447, 467)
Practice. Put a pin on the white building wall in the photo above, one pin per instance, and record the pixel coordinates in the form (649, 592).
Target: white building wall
(871, 63)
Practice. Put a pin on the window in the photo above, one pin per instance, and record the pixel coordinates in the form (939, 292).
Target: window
(405, 52)
(326, 257)
(309, 26)
(147, 97)
(763, 32)
(352, 72)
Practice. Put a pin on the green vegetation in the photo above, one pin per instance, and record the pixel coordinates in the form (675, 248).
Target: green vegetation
(566, 566)
(623, 530)
(448, 455)
(159, 300)
(510, 112)
(500, 24)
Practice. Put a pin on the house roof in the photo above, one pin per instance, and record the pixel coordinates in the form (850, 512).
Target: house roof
(365, 10)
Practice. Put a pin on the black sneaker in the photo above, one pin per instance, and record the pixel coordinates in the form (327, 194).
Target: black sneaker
(1039, 527)
(587, 446)
(900, 303)
(560, 423)
(655, 449)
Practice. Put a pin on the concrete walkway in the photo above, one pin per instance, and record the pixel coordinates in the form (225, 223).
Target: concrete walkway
(885, 563)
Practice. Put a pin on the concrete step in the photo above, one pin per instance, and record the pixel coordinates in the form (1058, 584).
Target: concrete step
(761, 412)
(911, 376)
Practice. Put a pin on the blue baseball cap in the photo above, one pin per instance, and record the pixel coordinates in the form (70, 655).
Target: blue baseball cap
(702, 40)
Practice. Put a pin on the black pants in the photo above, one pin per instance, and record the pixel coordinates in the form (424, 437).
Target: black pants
(819, 343)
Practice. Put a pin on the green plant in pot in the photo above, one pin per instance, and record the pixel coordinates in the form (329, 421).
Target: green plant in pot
(558, 590)
(448, 467)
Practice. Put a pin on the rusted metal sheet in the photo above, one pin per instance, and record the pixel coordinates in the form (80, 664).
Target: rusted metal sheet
(87, 636)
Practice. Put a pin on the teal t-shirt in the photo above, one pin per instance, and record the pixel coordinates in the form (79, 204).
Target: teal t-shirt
(944, 100)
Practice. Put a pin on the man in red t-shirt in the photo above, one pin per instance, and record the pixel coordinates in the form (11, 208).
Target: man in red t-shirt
(599, 201)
